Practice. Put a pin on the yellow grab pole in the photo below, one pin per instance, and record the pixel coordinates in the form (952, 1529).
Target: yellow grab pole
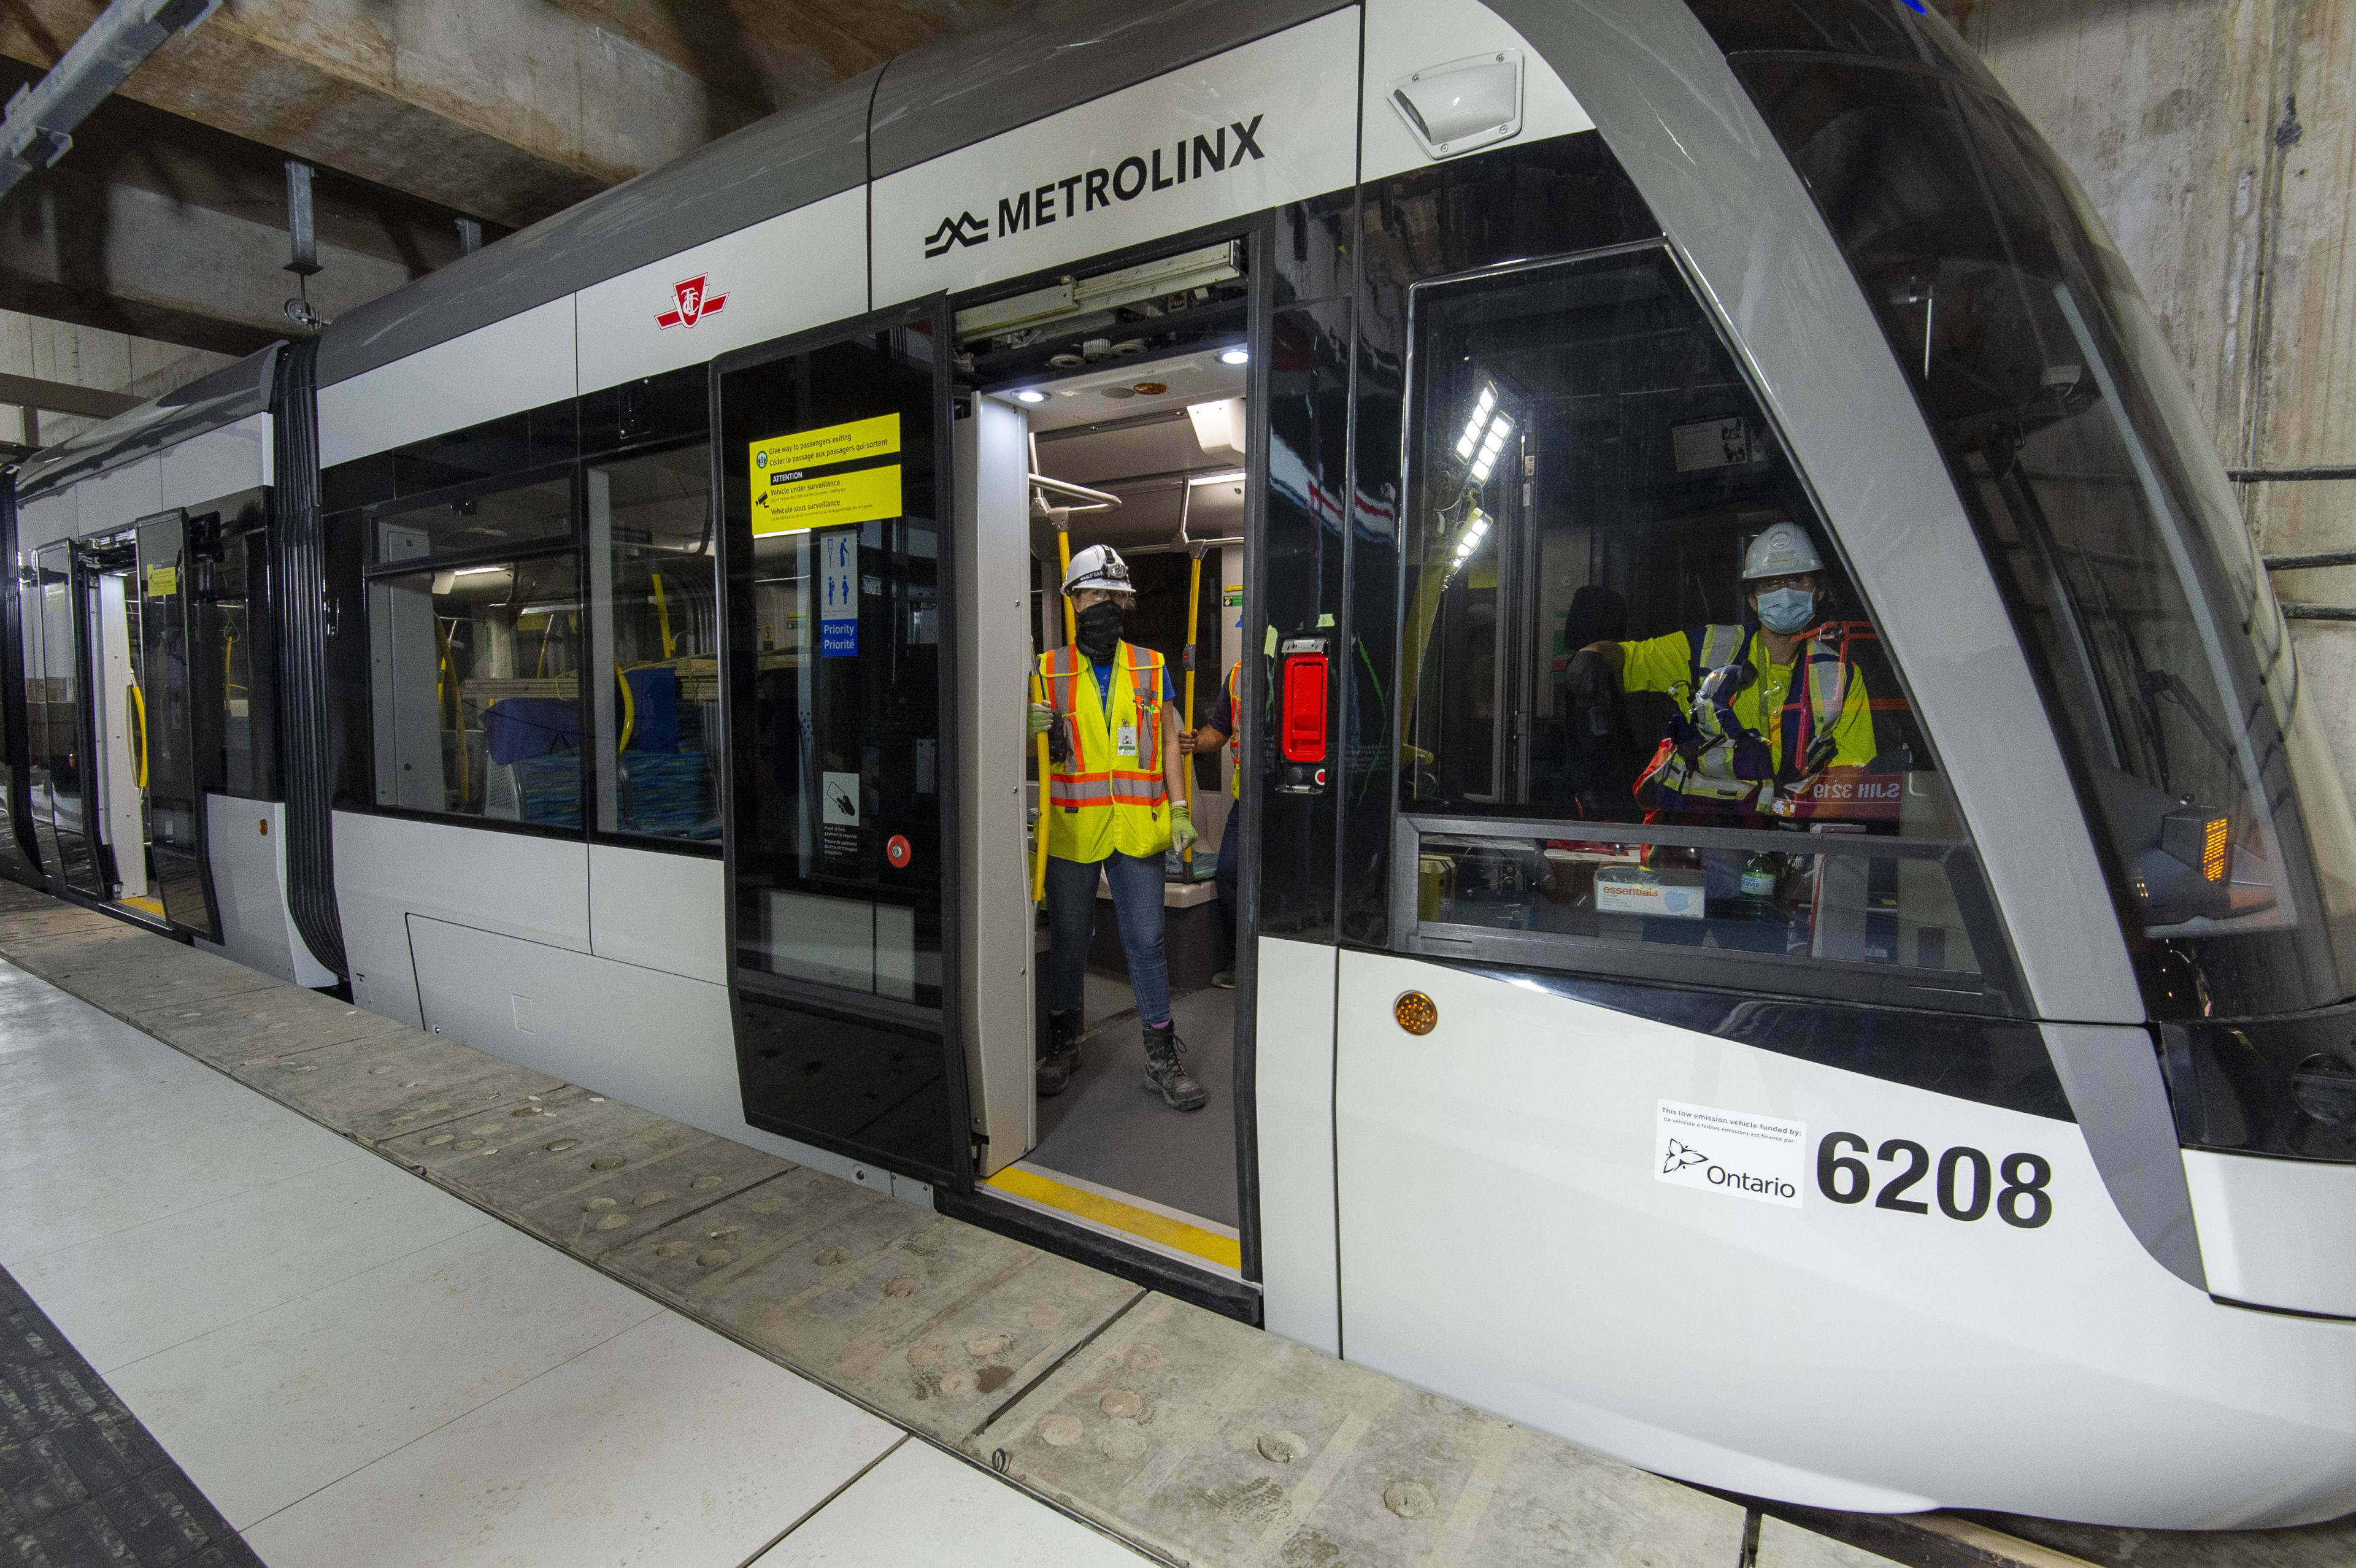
(1039, 827)
(1193, 621)
(1064, 549)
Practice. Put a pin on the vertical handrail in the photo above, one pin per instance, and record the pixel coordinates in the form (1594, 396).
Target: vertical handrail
(1193, 622)
(1039, 825)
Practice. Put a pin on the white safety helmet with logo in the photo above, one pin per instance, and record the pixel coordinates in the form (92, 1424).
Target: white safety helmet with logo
(1098, 566)
(1784, 550)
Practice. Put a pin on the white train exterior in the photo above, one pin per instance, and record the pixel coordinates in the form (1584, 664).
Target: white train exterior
(2051, 1218)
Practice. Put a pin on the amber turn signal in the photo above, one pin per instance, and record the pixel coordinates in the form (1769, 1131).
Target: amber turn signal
(1416, 1012)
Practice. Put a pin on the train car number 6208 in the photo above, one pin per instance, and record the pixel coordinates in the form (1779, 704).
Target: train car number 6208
(1966, 1187)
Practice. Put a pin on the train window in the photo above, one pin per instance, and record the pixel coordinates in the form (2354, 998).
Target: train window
(1645, 702)
(653, 659)
(477, 523)
(234, 616)
(475, 688)
(2138, 595)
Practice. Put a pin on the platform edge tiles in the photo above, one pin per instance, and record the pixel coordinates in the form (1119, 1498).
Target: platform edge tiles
(1191, 1436)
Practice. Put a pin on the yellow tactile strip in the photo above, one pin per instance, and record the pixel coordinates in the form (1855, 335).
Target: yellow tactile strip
(1052, 1191)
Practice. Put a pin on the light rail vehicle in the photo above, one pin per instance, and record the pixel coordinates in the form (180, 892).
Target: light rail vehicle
(1871, 1029)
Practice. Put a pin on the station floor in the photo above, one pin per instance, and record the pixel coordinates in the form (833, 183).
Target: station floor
(283, 1280)
(344, 1365)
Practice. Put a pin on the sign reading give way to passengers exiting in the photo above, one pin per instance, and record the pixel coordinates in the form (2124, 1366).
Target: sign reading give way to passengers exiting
(820, 478)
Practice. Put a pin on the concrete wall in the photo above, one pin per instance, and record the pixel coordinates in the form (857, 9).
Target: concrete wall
(2216, 138)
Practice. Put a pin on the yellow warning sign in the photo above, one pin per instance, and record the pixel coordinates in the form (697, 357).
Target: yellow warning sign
(798, 481)
(163, 582)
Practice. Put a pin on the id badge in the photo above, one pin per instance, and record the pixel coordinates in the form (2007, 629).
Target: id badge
(1124, 740)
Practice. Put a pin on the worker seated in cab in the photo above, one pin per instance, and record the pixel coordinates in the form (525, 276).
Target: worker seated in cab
(1762, 710)
(1115, 806)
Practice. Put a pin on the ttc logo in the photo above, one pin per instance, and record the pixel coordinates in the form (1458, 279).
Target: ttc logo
(692, 304)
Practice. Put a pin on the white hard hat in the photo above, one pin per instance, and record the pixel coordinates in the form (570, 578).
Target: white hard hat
(1783, 551)
(1098, 566)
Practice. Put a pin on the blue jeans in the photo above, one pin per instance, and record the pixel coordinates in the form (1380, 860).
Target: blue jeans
(1136, 883)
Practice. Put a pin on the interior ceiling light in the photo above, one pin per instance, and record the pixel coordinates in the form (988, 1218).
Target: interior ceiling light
(1472, 427)
(1030, 395)
(1224, 476)
(1234, 356)
(1483, 464)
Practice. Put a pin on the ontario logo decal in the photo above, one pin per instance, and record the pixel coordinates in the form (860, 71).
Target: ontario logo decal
(1074, 197)
(690, 303)
(1748, 1156)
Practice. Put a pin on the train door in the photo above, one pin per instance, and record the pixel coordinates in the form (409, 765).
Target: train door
(1108, 410)
(115, 787)
(840, 837)
(165, 703)
(55, 632)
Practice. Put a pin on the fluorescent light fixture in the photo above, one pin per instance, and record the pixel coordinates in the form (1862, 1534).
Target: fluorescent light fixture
(477, 570)
(1490, 448)
(1472, 427)
(1030, 395)
(1223, 476)
(1234, 356)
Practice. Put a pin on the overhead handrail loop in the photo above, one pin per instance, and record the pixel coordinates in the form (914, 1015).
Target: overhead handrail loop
(1104, 500)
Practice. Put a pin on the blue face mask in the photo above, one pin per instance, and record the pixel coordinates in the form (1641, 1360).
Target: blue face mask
(1787, 610)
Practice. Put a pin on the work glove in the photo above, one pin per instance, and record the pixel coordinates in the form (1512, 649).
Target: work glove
(1589, 679)
(1183, 835)
(1042, 720)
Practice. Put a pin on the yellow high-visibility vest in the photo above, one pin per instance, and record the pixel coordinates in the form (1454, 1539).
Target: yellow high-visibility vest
(1235, 731)
(1102, 798)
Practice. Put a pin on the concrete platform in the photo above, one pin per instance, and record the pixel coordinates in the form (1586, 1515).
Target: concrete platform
(1190, 1438)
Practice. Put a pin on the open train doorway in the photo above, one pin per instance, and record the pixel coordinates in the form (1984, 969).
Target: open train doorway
(120, 724)
(1107, 451)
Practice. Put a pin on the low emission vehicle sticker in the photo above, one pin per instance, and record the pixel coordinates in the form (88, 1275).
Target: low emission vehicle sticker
(1735, 1152)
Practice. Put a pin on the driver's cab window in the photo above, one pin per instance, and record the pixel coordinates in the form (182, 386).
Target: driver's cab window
(1645, 701)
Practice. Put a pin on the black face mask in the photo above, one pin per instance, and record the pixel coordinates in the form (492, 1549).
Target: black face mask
(1098, 631)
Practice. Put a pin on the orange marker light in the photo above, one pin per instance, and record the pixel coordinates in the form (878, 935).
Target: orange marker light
(1416, 1012)
(2212, 849)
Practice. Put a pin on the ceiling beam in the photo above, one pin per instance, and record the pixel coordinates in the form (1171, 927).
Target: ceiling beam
(104, 253)
(508, 109)
(59, 398)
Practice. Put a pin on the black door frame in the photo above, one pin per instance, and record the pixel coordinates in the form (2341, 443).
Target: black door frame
(821, 1001)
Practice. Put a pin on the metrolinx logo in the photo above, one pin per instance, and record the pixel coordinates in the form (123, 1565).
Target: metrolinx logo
(1076, 196)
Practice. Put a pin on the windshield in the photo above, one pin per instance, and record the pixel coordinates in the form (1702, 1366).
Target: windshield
(2140, 602)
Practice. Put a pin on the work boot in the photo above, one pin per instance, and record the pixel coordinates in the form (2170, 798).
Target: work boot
(1063, 1057)
(1163, 1071)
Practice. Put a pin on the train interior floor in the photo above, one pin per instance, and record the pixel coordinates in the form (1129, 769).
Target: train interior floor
(367, 1295)
(1109, 1130)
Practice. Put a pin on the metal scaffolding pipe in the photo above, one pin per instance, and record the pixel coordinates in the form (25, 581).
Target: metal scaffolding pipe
(40, 123)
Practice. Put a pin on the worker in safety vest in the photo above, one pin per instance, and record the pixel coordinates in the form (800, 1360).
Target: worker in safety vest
(1115, 806)
(1225, 723)
(1759, 713)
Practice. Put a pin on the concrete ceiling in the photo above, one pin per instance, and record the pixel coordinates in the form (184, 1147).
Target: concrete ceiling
(166, 219)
